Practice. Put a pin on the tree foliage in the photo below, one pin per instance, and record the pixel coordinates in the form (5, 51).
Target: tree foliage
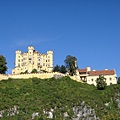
(61, 69)
(3, 67)
(101, 84)
(56, 68)
(118, 80)
(34, 71)
(70, 63)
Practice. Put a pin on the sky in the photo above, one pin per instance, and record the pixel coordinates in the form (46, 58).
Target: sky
(86, 29)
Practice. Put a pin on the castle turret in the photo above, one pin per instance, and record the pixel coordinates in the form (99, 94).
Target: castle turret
(18, 58)
(50, 60)
(30, 50)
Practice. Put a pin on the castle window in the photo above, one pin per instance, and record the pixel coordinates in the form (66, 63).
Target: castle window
(110, 78)
(38, 63)
(48, 65)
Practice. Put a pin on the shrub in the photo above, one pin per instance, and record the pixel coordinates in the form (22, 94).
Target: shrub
(101, 84)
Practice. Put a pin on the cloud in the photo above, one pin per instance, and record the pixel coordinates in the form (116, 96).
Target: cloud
(24, 43)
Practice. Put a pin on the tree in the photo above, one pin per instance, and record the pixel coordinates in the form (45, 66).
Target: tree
(56, 68)
(34, 71)
(101, 84)
(3, 67)
(70, 63)
(26, 72)
(63, 69)
(118, 80)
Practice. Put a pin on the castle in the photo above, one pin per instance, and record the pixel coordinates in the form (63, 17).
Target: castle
(32, 59)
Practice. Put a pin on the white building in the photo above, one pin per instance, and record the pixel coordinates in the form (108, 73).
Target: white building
(32, 59)
(91, 76)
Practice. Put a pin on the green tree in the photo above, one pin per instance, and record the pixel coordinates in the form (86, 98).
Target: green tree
(70, 63)
(118, 81)
(34, 71)
(101, 84)
(63, 69)
(3, 67)
(26, 72)
(56, 68)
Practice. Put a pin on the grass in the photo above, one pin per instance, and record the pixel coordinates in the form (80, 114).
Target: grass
(34, 95)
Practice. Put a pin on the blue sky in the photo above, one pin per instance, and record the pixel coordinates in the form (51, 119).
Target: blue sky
(86, 29)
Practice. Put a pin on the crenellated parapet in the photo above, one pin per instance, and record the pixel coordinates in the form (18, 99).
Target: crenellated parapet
(38, 75)
(3, 76)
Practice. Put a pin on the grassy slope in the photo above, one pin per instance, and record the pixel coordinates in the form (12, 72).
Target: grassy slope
(34, 95)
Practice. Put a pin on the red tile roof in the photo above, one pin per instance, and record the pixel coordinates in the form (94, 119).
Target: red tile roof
(101, 72)
(82, 70)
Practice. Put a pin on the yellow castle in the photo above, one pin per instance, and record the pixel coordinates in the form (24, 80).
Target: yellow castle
(32, 59)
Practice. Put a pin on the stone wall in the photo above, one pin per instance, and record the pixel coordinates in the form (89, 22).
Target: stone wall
(2, 76)
(38, 75)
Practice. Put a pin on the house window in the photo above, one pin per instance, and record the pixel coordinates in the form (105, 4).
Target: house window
(92, 80)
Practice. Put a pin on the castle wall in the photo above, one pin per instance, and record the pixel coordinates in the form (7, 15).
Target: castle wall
(3, 77)
(27, 76)
(38, 75)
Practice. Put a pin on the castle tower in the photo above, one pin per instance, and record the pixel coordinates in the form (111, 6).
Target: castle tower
(18, 58)
(50, 60)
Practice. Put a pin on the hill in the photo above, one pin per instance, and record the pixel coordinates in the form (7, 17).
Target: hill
(57, 99)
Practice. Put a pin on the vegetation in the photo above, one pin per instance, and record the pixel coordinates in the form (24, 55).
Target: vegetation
(101, 84)
(118, 80)
(34, 71)
(61, 69)
(70, 63)
(36, 95)
(56, 68)
(3, 67)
